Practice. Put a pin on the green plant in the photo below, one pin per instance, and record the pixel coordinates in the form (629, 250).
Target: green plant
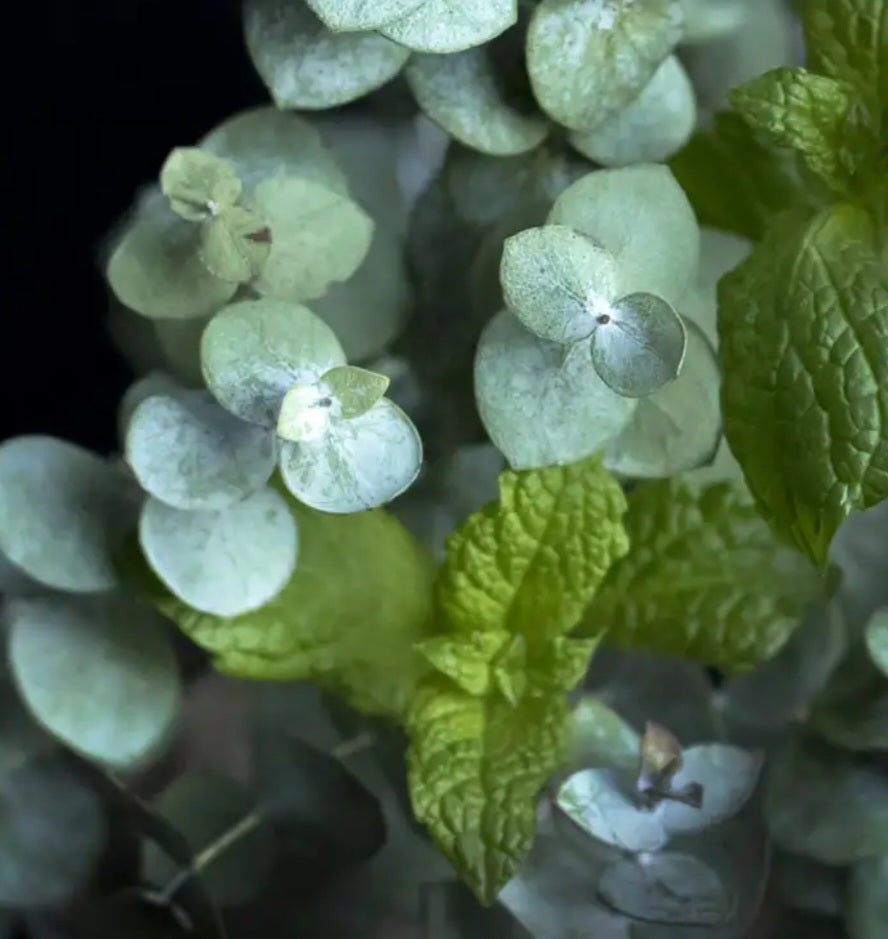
(446, 447)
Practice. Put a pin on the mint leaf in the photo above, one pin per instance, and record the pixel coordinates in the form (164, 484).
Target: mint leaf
(530, 562)
(475, 768)
(704, 579)
(802, 327)
(808, 113)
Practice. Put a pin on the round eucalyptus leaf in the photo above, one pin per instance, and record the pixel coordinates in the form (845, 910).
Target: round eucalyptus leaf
(599, 738)
(98, 673)
(876, 638)
(368, 311)
(203, 807)
(319, 237)
(343, 15)
(190, 453)
(557, 282)
(443, 26)
(306, 65)
(638, 344)
(666, 888)
(867, 901)
(254, 351)
(198, 184)
(153, 383)
(542, 404)
(658, 123)
(602, 804)
(179, 342)
(460, 93)
(826, 804)
(642, 216)
(354, 389)
(156, 269)
(357, 464)
(678, 427)
(589, 58)
(62, 510)
(52, 833)
(265, 143)
(226, 562)
(234, 244)
(728, 775)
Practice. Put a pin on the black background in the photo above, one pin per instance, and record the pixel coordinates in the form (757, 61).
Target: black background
(96, 94)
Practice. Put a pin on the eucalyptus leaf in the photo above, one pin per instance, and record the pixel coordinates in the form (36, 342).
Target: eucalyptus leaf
(460, 93)
(599, 738)
(358, 464)
(254, 351)
(443, 26)
(306, 65)
(355, 389)
(235, 244)
(62, 511)
(198, 184)
(226, 562)
(189, 452)
(179, 342)
(876, 637)
(98, 673)
(867, 903)
(542, 404)
(153, 383)
(642, 216)
(557, 282)
(649, 129)
(343, 15)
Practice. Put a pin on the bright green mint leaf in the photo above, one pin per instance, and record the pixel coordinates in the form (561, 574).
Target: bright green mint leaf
(704, 578)
(734, 180)
(466, 658)
(235, 244)
(808, 113)
(475, 769)
(802, 327)
(347, 620)
(198, 184)
(444, 26)
(532, 561)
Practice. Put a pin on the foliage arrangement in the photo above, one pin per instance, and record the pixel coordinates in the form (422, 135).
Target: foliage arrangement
(502, 423)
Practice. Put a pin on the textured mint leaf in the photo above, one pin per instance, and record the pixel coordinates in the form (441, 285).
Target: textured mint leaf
(802, 327)
(530, 562)
(704, 578)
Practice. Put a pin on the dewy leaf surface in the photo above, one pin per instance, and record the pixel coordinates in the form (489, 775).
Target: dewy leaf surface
(803, 326)
(704, 578)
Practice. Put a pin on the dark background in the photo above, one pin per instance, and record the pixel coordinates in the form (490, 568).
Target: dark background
(96, 93)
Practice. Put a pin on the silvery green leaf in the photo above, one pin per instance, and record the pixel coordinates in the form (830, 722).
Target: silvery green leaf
(876, 638)
(319, 237)
(557, 282)
(306, 65)
(152, 383)
(357, 464)
(667, 888)
(198, 184)
(678, 427)
(354, 389)
(461, 93)
(344, 15)
(224, 562)
(589, 58)
(807, 885)
(62, 510)
(638, 345)
(599, 737)
(98, 673)
(602, 803)
(443, 26)
(649, 129)
(867, 902)
(826, 804)
(642, 216)
(728, 775)
(254, 351)
(542, 404)
(190, 453)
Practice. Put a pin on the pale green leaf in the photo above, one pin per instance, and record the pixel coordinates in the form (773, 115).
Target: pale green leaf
(876, 637)
(530, 562)
(179, 344)
(198, 184)
(342, 15)
(234, 244)
(226, 562)
(442, 26)
(642, 216)
(306, 65)
(587, 60)
(704, 578)
(355, 389)
(190, 453)
(707, 20)
(466, 658)
(599, 738)
(540, 403)
(678, 427)
(638, 344)
(557, 282)
(802, 111)
(650, 128)
(254, 351)
(867, 899)
(802, 325)
(149, 384)
(461, 93)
